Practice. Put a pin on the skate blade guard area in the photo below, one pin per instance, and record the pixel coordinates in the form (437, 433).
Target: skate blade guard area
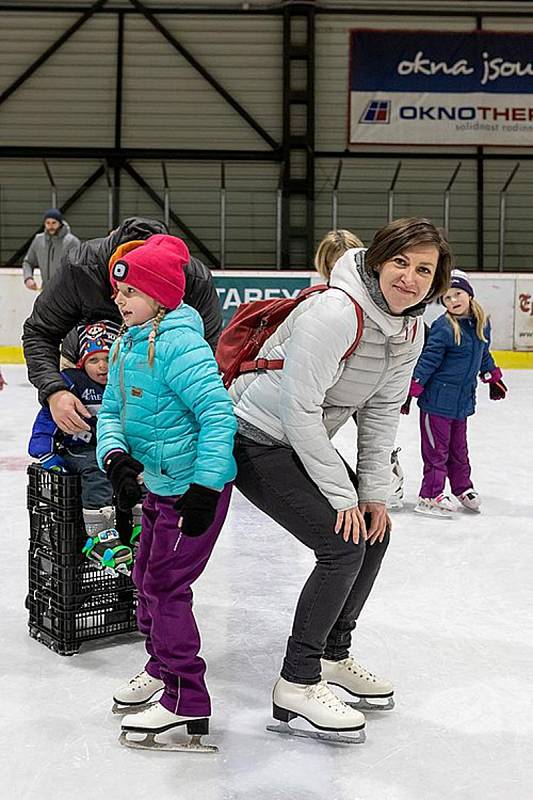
(283, 716)
(365, 704)
(331, 737)
(147, 741)
(70, 600)
(143, 739)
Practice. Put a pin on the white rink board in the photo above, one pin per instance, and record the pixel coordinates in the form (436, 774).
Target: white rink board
(495, 292)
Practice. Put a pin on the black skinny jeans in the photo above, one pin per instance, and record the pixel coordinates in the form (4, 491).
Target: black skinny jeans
(274, 479)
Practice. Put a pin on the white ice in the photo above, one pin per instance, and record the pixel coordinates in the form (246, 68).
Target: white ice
(449, 621)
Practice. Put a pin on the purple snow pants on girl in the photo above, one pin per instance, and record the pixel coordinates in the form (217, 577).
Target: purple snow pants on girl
(445, 455)
(166, 565)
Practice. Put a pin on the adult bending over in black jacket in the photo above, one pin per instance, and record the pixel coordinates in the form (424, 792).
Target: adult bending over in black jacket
(80, 292)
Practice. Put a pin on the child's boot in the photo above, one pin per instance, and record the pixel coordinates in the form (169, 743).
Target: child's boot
(103, 544)
(470, 500)
(136, 528)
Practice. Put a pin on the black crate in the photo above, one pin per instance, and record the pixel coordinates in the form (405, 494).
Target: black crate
(56, 491)
(70, 600)
(64, 538)
(67, 577)
(95, 616)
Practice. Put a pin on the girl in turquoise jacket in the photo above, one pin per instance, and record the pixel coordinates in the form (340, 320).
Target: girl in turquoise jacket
(166, 414)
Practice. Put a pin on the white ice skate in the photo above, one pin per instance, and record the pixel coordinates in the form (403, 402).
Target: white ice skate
(135, 695)
(470, 500)
(321, 707)
(374, 693)
(157, 720)
(440, 506)
(395, 498)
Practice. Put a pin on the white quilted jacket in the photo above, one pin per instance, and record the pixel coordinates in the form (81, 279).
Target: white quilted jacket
(307, 402)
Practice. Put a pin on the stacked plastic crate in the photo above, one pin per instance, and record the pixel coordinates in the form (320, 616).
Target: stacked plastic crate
(70, 600)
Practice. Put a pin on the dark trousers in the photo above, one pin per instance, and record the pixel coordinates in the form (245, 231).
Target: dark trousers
(166, 566)
(96, 490)
(274, 479)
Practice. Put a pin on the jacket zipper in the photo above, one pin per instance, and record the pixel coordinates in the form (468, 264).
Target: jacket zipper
(123, 387)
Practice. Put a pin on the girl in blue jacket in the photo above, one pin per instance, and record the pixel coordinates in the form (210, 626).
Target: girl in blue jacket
(445, 382)
(166, 414)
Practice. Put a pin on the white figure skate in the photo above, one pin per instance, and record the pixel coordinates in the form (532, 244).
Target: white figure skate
(440, 506)
(397, 479)
(374, 694)
(157, 720)
(316, 703)
(135, 695)
(470, 500)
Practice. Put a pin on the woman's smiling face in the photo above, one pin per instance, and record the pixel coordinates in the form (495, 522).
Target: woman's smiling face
(406, 278)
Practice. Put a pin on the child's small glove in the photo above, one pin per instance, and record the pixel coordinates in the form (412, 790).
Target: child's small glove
(123, 471)
(415, 390)
(406, 407)
(497, 388)
(197, 509)
(54, 463)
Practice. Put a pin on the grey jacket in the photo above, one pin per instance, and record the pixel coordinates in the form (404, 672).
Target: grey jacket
(306, 403)
(46, 252)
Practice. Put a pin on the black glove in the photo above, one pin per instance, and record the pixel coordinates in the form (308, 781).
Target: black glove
(197, 509)
(497, 390)
(122, 470)
(405, 409)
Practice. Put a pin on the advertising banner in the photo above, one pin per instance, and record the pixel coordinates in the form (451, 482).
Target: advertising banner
(523, 318)
(441, 88)
(233, 290)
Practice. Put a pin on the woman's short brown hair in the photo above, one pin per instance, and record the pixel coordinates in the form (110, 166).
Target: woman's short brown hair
(331, 248)
(401, 234)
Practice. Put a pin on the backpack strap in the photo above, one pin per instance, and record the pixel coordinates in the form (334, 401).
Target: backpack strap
(261, 365)
(359, 314)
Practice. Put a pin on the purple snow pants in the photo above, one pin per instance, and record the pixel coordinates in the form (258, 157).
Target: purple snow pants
(445, 455)
(166, 565)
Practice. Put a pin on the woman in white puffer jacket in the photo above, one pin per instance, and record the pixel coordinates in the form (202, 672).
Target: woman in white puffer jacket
(288, 467)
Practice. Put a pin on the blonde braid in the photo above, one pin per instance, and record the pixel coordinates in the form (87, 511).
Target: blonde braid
(158, 319)
(122, 331)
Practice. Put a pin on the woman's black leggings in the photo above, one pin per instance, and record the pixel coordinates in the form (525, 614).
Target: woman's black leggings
(274, 479)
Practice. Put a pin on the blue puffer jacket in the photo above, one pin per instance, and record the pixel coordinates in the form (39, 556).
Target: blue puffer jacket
(449, 371)
(175, 417)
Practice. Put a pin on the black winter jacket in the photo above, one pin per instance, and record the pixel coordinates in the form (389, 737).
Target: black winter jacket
(80, 292)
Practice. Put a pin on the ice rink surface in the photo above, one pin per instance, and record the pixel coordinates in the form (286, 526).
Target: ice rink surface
(449, 622)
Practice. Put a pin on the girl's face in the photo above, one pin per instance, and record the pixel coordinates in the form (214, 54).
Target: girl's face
(457, 302)
(406, 278)
(136, 307)
(97, 367)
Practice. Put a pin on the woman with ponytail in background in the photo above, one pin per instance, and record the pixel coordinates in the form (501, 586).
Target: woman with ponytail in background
(445, 383)
(166, 414)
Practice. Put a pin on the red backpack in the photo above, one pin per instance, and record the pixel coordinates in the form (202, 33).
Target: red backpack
(251, 326)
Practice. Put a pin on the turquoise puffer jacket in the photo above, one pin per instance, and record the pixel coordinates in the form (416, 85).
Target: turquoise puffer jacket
(175, 417)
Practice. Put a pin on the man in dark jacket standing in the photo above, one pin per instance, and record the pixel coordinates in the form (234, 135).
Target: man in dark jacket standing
(48, 248)
(80, 292)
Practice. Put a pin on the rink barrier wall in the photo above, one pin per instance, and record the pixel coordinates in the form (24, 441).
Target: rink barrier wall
(507, 297)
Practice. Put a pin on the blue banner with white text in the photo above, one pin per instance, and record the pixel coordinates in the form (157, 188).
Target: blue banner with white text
(441, 88)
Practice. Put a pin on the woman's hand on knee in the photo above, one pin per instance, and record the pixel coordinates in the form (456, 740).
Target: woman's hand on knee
(352, 524)
(380, 521)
